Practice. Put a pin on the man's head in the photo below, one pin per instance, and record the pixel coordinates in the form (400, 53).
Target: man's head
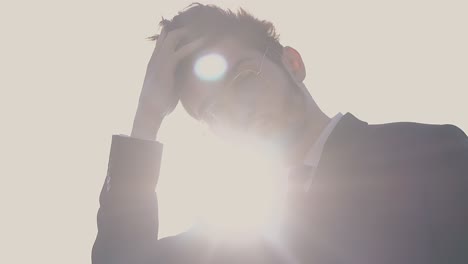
(259, 89)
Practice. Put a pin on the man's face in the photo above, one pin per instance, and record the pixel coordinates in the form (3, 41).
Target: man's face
(250, 96)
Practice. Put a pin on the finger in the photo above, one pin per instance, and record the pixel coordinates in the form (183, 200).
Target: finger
(163, 33)
(160, 40)
(191, 47)
(176, 35)
(162, 36)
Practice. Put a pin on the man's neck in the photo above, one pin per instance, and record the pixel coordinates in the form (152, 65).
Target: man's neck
(315, 123)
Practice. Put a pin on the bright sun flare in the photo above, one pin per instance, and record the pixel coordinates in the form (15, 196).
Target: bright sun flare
(210, 67)
(247, 196)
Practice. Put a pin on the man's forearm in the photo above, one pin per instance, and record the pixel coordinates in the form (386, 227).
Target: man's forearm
(145, 126)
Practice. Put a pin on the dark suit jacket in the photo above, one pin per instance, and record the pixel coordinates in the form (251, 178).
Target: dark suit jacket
(391, 193)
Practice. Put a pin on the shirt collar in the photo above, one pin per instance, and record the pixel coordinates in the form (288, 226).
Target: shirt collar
(313, 156)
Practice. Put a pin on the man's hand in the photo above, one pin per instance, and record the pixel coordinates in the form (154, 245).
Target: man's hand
(158, 96)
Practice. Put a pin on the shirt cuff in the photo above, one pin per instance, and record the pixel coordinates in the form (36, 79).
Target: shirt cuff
(133, 165)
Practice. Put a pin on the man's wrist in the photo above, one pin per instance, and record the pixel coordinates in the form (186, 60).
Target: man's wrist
(145, 126)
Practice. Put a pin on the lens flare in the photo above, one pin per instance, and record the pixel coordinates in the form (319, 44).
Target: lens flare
(210, 67)
(244, 191)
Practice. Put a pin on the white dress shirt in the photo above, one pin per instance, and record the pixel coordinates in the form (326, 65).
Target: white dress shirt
(313, 156)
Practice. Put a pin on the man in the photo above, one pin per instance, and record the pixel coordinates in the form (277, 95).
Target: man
(359, 193)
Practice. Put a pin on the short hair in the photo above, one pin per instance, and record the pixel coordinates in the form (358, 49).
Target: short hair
(214, 22)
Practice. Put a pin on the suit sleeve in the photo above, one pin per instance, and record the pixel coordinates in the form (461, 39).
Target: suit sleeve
(128, 215)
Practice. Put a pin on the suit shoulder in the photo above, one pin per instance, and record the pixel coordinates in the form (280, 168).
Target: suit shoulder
(417, 132)
(453, 131)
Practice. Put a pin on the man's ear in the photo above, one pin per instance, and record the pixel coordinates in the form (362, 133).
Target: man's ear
(292, 61)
